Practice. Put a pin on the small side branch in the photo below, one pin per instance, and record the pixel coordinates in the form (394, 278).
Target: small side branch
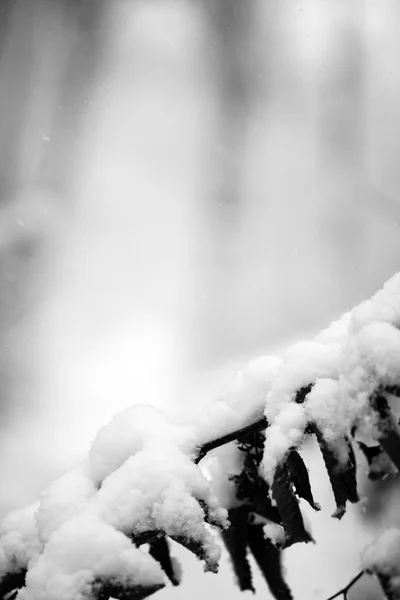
(343, 591)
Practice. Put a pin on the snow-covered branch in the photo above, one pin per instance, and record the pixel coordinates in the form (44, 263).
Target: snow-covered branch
(141, 482)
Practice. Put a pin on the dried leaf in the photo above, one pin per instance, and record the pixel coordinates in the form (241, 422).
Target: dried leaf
(393, 389)
(254, 493)
(370, 452)
(268, 558)
(350, 474)
(160, 551)
(299, 476)
(342, 476)
(379, 464)
(262, 505)
(389, 437)
(198, 549)
(288, 507)
(115, 589)
(235, 540)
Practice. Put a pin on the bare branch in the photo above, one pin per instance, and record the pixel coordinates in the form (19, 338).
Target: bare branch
(230, 437)
(253, 428)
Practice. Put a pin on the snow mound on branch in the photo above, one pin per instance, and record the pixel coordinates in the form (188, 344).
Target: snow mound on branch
(159, 489)
(82, 552)
(149, 485)
(302, 365)
(346, 364)
(140, 477)
(220, 465)
(384, 306)
(126, 434)
(139, 480)
(61, 500)
(382, 557)
(19, 541)
(242, 403)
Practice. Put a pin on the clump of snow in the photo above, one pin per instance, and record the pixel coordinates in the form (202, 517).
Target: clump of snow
(369, 363)
(346, 364)
(219, 467)
(286, 431)
(275, 533)
(303, 364)
(242, 403)
(84, 551)
(159, 489)
(337, 331)
(139, 478)
(383, 557)
(19, 541)
(87, 531)
(126, 434)
(325, 410)
(62, 499)
(379, 350)
(383, 306)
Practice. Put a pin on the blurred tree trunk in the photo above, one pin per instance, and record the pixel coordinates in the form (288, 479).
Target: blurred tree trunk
(342, 89)
(49, 51)
(233, 80)
(341, 111)
(362, 222)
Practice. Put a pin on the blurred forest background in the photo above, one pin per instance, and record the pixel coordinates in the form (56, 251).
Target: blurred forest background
(183, 183)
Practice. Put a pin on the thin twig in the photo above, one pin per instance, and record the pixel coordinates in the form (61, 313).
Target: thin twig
(253, 428)
(344, 590)
(230, 437)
